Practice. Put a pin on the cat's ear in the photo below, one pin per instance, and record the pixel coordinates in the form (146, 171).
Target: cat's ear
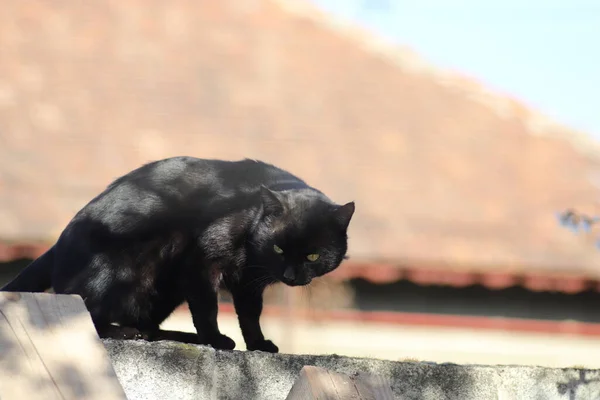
(271, 203)
(343, 214)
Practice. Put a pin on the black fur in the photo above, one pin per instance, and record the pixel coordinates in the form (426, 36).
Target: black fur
(173, 230)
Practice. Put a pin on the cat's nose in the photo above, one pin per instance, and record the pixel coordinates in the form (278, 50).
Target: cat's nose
(289, 273)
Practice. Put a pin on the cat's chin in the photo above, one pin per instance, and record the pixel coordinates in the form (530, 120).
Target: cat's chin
(296, 283)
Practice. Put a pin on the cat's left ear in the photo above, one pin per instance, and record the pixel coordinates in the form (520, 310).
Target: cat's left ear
(343, 214)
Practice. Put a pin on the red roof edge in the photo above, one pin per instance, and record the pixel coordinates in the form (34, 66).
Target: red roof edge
(420, 274)
(16, 251)
(387, 272)
(434, 320)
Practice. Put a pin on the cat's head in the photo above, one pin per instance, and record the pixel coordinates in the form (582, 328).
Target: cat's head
(301, 235)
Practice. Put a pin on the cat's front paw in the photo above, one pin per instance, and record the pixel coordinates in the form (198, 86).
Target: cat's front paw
(263, 345)
(222, 342)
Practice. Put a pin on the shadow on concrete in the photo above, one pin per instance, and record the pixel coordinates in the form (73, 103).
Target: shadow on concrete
(158, 370)
(19, 349)
(153, 370)
(571, 387)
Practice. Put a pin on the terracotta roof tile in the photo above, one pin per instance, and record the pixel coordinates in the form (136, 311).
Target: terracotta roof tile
(440, 169)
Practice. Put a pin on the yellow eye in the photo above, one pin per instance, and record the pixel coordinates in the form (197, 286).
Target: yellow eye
(277, 249)
(312, 257)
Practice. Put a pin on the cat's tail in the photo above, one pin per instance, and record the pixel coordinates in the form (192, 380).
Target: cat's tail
(36, 277)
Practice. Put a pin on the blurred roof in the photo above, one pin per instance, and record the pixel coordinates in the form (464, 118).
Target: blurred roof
(447, 177)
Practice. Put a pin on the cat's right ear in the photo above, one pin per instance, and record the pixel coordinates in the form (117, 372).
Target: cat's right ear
(271, 203)
(343, 214)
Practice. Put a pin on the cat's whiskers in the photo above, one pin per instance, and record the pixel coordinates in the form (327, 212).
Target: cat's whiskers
(257, 284)
(258, 279)
(305, 297)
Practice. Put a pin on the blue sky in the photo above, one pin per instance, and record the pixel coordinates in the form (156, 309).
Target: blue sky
(544, 52)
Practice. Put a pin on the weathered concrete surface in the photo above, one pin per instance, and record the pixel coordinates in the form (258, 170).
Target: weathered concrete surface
(167, 370)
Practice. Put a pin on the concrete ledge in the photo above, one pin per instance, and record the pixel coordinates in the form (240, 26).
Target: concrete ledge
(167, 370)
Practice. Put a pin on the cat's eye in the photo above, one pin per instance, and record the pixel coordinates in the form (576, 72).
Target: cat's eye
(277, 249)
(312, 257)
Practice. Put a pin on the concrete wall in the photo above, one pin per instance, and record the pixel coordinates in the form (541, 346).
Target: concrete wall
(398, 342)
(166, 370)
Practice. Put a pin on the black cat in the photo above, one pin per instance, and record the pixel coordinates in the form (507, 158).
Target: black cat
(174, 230)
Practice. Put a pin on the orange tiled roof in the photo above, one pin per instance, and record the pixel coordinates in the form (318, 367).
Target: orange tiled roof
(441, 170)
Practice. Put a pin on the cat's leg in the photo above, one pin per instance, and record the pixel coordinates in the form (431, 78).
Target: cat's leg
(248, 303)
(201, 295)
(109, 331)
(152, 333)
(162, 308)
(146, 331)
(175, 336)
